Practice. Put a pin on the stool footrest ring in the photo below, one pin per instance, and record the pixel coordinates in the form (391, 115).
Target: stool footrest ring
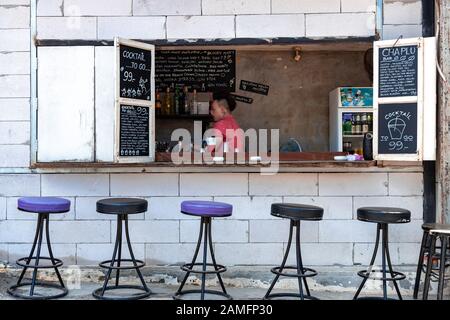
(97, 293)
(307, 272)
(284, 295)
(396, 275)
(189, 268)
(23, 263)
(13, 291)
(107, 264)
(179, 295)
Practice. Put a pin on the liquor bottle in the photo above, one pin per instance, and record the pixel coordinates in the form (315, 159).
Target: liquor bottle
(353, 124)
(181, 101)
(347, 124)
(176, 101)
(364, 123)
(194, 102)
(370, 122)
(158, 103)
(358, 123)
(167, 104)
(186, 100)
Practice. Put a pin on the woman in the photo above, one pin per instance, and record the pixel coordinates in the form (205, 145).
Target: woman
(221, 108)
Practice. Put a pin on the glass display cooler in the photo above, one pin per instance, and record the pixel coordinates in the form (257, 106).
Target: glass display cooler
(351, 117)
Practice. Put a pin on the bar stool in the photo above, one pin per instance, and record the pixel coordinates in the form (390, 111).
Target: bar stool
(424, 246)
(206, 210)
(295, 213)
(382, 216)
(122, 207)
(43, 206)
(444, 236)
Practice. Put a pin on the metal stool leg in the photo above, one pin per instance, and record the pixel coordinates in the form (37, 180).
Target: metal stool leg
(426, 286)
(119, 240)
(36, 236)
(213, 258)
(197, 249)
(38, 255)
(420, 264)
(299, 262)
(108, 274)
(127, 234)
(205, 256)
(205, 236)
(444, 242)
(372, 261)
(50, 252)
(288, 247)
(383, 260)
(391, 271)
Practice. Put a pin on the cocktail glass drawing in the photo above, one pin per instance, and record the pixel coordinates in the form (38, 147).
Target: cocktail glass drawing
(396, 128)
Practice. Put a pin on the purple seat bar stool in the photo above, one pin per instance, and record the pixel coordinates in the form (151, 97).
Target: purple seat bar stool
(206, 210)
(43, 206)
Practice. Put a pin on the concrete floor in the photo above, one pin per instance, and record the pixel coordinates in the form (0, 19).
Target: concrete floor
(165, 291)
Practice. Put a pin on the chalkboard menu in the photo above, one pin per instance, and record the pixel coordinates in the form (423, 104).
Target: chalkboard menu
(134, 131)
(397, 128)
(204, 70)
(397, 71)
(135, 73)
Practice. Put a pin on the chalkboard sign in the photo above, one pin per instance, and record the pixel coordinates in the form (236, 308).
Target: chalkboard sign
(135, 73)
(203, 70)
(397, 128)
(134, 131)
(397, 71)
(254, 87)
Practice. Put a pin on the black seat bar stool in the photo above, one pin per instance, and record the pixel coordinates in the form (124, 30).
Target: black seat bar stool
(206, 210)
(424, 247)
(382, 216)
(295, 213)
(43, 206)
(444, 236)
(122, 207)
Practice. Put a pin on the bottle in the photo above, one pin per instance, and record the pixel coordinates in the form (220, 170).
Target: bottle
(181, 100)
(364, 123)
(176, 101)
(194, 102)
(353, 124)
(347, 125)
(185, 105)
(370, 122)
(158, 103)
(358, 123)
(167, 104)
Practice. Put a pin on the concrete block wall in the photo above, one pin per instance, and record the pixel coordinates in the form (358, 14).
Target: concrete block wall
(204, 19)
(251, 236)
(402, 18)
(14, 83)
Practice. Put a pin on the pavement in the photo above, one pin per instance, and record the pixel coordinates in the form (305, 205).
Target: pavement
(164, 291)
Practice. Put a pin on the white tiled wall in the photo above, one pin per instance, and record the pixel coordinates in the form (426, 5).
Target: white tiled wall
(250, 236)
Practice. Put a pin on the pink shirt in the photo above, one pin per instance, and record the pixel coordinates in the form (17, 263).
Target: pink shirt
(229, 123)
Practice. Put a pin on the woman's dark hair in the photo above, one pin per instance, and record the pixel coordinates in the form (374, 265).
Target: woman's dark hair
(219, 95)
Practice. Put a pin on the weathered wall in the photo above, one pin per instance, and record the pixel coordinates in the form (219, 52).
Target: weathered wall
(442, 163)
(402, 18)
(14, 83)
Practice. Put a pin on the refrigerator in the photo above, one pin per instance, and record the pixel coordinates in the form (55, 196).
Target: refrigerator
(351, 116)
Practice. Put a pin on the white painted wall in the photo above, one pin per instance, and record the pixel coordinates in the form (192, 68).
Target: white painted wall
(65, 104)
